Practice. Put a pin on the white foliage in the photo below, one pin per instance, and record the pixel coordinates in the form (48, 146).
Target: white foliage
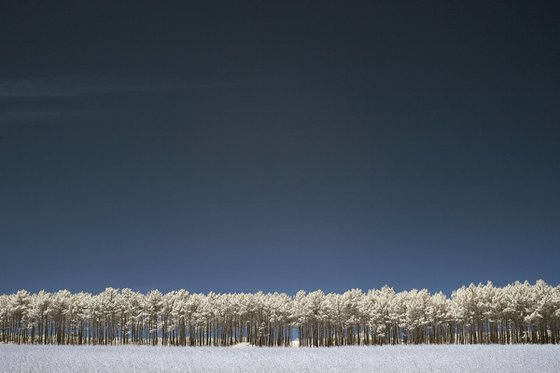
(483, 313)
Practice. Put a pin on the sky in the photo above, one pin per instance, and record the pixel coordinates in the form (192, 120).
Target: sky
(278, 145)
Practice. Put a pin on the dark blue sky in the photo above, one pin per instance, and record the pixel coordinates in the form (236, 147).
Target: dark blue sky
(275, 146)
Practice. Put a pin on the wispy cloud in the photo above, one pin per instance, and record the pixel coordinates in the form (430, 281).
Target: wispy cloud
(34, 115)
(92, 85)
(24, 115)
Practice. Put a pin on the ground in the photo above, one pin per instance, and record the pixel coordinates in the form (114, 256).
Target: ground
(115, 359)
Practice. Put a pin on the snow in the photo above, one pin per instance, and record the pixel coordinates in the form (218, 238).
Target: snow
(242, 344)
(423, 358)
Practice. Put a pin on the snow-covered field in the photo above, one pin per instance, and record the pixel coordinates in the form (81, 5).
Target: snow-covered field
(493, 358)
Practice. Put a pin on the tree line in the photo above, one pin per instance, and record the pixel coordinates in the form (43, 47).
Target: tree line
(477, 314)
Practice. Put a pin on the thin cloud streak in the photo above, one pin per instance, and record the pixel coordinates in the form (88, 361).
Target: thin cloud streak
(40, 115)
(83, 85)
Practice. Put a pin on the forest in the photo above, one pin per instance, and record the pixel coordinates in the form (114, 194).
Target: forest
(475, 314)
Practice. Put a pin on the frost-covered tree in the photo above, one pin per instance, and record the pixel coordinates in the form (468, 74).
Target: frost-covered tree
(483, 313)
